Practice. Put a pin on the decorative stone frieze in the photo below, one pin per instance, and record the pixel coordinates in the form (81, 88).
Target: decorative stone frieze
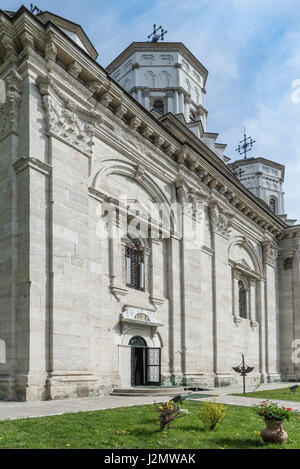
(140, 316)
(220, 219)
(66, 120)
(10, 109)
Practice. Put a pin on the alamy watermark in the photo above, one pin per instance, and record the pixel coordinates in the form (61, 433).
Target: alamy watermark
(151, 221)
(296, 354)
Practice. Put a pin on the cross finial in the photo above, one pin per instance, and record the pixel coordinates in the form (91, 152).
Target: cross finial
(34, 9)
(245, 145)
(156, 36)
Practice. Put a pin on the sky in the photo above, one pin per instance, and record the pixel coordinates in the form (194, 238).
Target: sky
(250, 47)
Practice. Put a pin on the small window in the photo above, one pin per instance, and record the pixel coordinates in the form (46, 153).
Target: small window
(272, 204)
(158, 106)
(242, 300)
(134, 264)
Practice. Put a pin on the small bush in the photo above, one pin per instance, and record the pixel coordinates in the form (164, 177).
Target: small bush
(167, 413)
(212, 413)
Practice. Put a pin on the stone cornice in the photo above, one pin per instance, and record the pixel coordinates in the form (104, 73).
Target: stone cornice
(24, 163)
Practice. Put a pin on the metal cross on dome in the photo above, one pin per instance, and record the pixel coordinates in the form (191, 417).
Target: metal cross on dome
(245, 145)
(155, 36)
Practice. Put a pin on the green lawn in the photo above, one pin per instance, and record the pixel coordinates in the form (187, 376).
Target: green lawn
(281, 394)
(136, 427)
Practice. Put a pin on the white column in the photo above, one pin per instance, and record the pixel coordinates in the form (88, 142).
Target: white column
(181, 104)
(139, 96)
(252, 290)
(147, 99)
(170, 96)
(176, 103)
(187, 110)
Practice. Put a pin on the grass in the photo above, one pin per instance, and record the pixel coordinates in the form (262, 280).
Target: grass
(136, 427)
(280, 394)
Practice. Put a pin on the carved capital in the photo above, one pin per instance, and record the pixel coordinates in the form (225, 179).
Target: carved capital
(220, 220)
(9, 111)
(270, 254)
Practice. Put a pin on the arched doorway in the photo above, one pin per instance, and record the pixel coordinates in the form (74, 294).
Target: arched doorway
(145, 363)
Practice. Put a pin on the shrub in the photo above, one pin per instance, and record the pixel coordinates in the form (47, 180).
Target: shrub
(167, 413)
(212, 413)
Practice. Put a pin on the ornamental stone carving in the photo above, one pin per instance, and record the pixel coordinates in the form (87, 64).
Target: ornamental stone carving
(9, 110)
(66, 120)
(270, 254)
(220, 219)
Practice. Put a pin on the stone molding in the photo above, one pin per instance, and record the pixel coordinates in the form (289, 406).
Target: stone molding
(33, 163)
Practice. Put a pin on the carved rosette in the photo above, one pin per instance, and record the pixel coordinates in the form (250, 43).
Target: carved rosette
(9, 110)
(220, 220)
(65, 119)
(270, 254)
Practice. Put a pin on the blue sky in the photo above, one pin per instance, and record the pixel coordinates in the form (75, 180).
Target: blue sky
(250, 47)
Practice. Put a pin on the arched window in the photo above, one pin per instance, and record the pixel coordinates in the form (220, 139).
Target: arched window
(272, 204)
(134, 264)
(137, 341)
(158, 106)
(242, 300)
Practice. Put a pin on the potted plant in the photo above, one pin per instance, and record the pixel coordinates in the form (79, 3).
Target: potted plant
(274, 417)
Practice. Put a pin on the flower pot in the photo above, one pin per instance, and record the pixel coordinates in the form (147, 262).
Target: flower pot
(274, 433)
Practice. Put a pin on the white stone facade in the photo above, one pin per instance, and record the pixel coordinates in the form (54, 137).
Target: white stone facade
(71, 141)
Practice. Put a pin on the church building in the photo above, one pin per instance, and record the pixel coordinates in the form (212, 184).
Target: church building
(133, 253)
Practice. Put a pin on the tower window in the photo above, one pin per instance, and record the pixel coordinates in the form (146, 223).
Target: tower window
(272, 204)
(242, 300)
(134, 264)
(158, 106)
